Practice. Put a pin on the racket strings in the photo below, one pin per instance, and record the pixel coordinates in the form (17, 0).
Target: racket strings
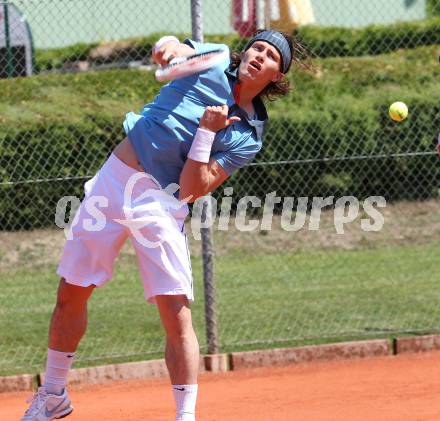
(194, 58)
(196, 63)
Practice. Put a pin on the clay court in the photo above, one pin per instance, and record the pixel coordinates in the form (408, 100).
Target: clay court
(404, 388)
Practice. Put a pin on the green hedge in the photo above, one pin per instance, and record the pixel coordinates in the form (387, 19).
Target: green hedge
(321, 41)
(65, 125)
(48, 151)
(372, 40)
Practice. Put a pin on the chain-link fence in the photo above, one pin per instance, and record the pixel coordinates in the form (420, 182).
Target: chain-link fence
(71, 70)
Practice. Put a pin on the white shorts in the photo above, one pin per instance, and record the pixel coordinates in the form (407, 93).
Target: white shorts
(106, 218)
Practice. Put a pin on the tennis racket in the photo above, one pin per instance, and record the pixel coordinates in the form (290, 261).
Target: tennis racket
(184, 66)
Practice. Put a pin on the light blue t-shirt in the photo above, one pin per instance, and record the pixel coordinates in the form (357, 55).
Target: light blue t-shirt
(162, 134)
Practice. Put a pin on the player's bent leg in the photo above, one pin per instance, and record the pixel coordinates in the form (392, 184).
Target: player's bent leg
(87, 260)
(68, 325)
(69, 318)
(181, 353)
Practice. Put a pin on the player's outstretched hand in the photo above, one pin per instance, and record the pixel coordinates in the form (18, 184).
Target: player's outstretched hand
(215, 118)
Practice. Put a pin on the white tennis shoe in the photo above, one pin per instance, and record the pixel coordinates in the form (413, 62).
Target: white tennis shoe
(46, 407)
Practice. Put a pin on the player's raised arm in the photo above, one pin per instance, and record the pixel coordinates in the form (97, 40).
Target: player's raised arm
(200, 174)
(168, 47)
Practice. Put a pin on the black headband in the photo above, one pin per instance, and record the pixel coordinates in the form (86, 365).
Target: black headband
(279, 42)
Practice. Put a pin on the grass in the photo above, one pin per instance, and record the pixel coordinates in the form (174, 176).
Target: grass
(264, 300)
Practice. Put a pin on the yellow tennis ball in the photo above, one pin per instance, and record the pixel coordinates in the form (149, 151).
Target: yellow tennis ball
(398, 111)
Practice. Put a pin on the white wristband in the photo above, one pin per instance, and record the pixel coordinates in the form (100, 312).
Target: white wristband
(163, 41)
(201, 146)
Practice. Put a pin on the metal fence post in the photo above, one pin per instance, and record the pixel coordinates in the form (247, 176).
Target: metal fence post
(208, 279)
(206, 233)
(197, 20)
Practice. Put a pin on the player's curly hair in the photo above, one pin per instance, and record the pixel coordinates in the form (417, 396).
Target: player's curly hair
(300, 58)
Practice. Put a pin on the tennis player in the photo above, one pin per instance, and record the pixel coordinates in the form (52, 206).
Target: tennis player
(196, 133)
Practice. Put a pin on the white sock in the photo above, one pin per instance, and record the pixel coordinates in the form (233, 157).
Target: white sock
(185, 396)
(57, 367)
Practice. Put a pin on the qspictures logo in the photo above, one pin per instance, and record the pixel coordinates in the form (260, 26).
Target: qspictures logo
(160, 206)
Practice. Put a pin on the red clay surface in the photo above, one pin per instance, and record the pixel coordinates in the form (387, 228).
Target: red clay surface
(391, 388)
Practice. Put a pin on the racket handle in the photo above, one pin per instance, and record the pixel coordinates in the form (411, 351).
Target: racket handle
(159, 74)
